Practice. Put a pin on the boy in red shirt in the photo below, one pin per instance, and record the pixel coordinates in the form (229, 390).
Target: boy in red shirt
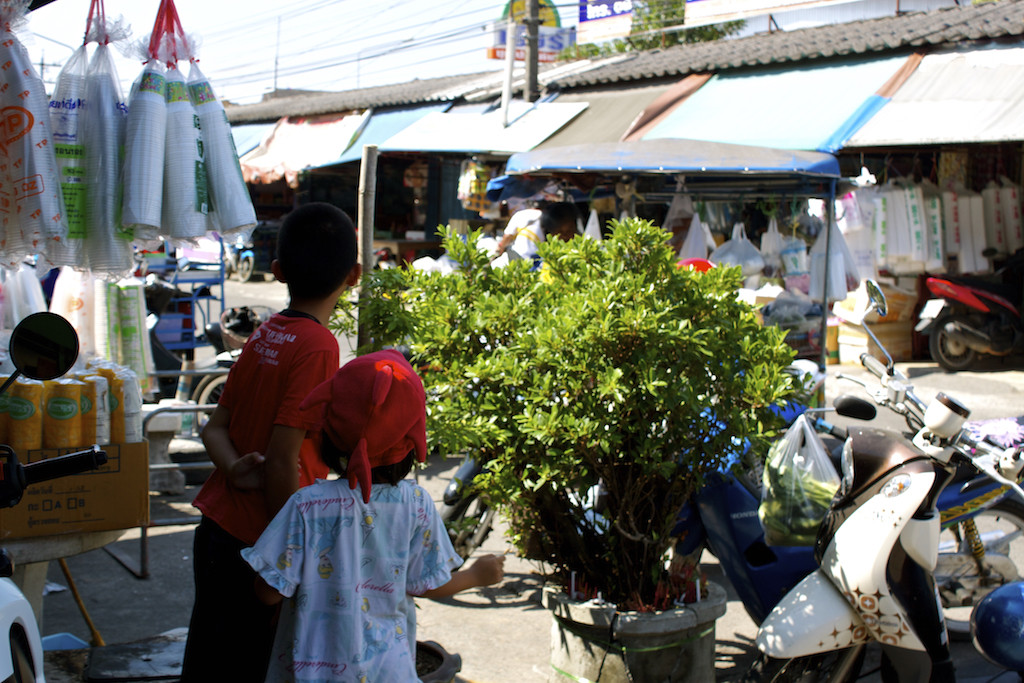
(256, 437)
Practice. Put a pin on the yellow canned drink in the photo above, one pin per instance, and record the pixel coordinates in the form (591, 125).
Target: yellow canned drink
(25, 416)
(62, 417)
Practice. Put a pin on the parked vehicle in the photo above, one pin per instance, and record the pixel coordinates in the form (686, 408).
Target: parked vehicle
(973, 316)
(249, 256)
(43, 346)
(879, 544)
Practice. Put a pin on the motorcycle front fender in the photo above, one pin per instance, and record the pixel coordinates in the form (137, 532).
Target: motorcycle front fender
(813, 617)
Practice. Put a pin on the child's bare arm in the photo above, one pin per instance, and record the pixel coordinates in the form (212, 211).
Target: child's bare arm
(266, 594)
(282, 466)
(242, 471)
(485, 571)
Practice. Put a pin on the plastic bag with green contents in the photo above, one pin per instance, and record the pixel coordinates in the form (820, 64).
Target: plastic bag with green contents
(799, 484)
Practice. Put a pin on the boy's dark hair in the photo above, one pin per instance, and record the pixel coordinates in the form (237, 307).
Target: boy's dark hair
(554, 215)
(337, 460)
(316, 250)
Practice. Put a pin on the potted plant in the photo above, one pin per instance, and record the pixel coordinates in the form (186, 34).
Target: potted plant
(610, 370)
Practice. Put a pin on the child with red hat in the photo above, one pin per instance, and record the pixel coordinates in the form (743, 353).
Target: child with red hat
(351, 552)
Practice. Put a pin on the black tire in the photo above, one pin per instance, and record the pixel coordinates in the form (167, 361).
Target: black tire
(246, 267)
(21, 660)
(208, 391)
(819, 667)
(1003, 519)
(950, 354)
(469, 522)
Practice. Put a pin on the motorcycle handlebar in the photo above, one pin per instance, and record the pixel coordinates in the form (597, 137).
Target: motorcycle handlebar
(64, 465)
(873, 365)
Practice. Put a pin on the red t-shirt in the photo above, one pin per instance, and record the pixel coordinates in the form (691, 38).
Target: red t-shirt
(281, 363)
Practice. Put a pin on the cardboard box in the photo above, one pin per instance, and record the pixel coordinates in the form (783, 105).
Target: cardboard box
(900, 302)
(116, 496)
(897, 337)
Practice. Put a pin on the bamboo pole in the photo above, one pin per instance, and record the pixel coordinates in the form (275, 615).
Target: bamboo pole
(366, 218)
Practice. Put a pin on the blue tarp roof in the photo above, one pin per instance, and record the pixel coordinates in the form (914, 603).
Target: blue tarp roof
(383, 125)
(248, 136)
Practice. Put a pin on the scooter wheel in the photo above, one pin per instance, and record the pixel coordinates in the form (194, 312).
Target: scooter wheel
(246, 268)
(469, 523)
(950, 354)
(21, 660)
(836, 666)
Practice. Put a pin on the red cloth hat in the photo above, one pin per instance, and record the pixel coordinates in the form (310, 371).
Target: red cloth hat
(375, 409)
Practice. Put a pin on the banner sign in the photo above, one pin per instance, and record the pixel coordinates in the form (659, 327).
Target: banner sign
(550, 41)
(704, 12)
(604, 20)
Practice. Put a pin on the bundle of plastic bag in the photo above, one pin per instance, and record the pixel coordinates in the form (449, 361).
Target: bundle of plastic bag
(29, 179)
(66, 106)
(231, 208)
(102, 131)
(72, 298)
(144, 154)
(799, 483)
(843, 276)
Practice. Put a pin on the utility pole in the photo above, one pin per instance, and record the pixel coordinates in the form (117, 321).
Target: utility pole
(532, 23)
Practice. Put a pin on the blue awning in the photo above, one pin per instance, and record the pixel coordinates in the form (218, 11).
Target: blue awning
(247, 137)
(383, 125)
(809, 108)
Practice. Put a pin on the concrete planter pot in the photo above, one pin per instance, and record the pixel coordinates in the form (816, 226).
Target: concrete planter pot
(434, 664)
(603, 645)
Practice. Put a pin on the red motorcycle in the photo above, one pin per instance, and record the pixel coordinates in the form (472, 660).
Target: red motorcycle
(973, 316)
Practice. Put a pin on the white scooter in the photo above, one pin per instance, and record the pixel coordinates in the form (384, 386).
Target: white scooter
(877, 549)
(43, 346)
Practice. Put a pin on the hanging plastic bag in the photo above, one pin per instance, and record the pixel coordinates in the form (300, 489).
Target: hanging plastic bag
(186, 191)
(593, 228)
(799, 484)
(29, 179)
(739, 251)
(66, 107)
(698, 240)
(843, 276)
(771, 249)
(144, 154)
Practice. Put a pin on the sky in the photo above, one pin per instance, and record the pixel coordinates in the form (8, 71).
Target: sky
(246, 47)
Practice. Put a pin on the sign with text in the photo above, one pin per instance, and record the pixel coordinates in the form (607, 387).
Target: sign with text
(604, 20)
(704, 12)
(550, 41)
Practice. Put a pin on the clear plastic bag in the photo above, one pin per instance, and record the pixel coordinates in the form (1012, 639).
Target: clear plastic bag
(771, 249)
(799, 484)
(739, 251)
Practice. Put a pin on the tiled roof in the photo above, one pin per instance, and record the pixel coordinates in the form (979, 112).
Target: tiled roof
(938, 28)
(426, 91)
(1000, 20)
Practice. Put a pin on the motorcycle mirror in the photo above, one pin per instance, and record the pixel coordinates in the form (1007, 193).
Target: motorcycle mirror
(43, 346)
(876, 297)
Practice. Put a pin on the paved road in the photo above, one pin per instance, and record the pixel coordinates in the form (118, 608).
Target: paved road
(502, 633)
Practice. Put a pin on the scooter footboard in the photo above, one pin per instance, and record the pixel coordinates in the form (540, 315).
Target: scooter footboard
(814, 617)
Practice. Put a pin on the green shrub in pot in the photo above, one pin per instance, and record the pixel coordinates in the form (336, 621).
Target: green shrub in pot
(610, 364)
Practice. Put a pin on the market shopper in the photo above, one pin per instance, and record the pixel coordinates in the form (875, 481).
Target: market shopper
(350, 552)
(257, 438)
(527, 228)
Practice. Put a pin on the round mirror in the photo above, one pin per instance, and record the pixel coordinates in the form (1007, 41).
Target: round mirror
(877, 298)
(44, 346)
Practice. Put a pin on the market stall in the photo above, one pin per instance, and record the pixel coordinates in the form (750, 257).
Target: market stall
(696, 188)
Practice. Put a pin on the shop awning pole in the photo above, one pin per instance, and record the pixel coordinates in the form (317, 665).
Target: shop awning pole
(366, 218)
(830, 210)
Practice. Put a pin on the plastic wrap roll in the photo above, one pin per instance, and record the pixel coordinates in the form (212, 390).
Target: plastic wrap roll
(132, 406)
(186, 199)
(32, 210)
(25, 416)
(102, 133)
(106, 318)
(231, 208)
(95, 410)
(66, 106)
(73, 299)
(136, 348)
(144, 153)
(62, 416)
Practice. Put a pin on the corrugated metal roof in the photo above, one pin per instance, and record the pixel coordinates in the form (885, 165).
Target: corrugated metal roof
(938, 28)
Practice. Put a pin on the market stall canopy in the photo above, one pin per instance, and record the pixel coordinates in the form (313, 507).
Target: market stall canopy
(970, 96)
(383, 125)
(476, 128)
(247, 137)
(607, 116)
(296, 144)
(815, 107)
(713, 166)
